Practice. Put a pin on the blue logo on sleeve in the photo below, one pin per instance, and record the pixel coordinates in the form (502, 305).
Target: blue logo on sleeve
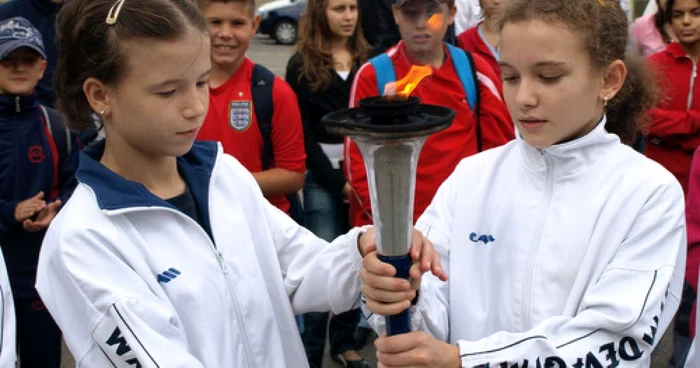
(483, 238)
(168, 275)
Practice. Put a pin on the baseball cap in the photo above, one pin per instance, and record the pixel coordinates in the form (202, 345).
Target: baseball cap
(18, 32)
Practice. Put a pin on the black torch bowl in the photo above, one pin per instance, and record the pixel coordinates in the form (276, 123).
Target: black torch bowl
(394, 117)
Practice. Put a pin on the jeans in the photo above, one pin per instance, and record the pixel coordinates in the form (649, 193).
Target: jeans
(326, 215)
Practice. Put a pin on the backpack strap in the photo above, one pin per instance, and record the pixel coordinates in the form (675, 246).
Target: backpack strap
(59, 132)
(466, 71)
(464, 66)
(384, 70)
(261, 90)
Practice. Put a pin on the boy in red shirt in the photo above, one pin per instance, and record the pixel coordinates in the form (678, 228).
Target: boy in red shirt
(422, 44)
(231, 118)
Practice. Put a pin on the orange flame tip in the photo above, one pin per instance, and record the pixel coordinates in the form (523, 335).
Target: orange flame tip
(407, 84)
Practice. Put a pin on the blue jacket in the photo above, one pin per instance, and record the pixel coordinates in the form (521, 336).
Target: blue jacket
(42, 14)
(29, 163)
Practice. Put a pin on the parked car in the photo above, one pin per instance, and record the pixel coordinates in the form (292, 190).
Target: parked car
(279, 19)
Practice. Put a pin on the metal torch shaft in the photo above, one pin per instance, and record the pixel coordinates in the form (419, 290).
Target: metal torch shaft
(391, 172)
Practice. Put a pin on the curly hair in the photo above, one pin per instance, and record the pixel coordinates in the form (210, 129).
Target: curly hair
(602, 25)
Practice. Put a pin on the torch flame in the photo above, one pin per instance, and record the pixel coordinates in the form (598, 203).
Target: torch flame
(436, 21)
(407, 84)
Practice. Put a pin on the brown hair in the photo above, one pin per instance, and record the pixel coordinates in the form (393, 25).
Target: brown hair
(602, 25)
(90, 48)
(660, 20)
(314, 45)
(249, 4)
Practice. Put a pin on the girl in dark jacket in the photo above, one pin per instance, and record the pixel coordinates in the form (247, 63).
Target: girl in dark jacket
(330, 49)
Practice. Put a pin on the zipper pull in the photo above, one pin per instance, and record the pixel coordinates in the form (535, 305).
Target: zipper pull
(222, 262)
(18, 109)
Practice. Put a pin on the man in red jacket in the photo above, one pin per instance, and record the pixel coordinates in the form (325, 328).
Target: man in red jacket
(422, 44)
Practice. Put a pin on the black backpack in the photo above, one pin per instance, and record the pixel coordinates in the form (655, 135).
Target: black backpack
(261, 90)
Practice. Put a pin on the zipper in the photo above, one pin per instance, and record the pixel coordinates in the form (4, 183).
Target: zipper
(237, 307)
(18, 108)
(534, 247)
(222, 266)
(692, 83)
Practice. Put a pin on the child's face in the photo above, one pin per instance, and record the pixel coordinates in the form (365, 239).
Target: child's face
(420, 36)
(685, 21)
(20, 71)
(342, 17)
(231, 26)
(493, 8)
(158, 107)
(551, 89)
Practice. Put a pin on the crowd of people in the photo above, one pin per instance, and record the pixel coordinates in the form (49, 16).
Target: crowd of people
(166, 201)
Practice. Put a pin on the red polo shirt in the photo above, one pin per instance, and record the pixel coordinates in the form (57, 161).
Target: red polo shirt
(231, 120)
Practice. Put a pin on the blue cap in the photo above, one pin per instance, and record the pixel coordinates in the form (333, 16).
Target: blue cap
(18, 32)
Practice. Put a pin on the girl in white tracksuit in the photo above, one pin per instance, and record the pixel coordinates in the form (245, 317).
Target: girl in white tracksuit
(564, 248)
(168, 255)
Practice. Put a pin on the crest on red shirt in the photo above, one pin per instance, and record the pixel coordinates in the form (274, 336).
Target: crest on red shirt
(240, 115)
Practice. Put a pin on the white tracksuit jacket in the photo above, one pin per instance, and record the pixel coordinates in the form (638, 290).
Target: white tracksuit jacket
(8, 327)
(131, 281)
(571, 256)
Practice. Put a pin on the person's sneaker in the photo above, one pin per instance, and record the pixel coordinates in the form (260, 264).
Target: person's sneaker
(350, 363)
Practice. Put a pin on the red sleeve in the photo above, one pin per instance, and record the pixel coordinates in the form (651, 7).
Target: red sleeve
(287, 129)
(692, 217)
(692, 214)
(679, 124)
(496, 124)
(365, 85)
(670, 123)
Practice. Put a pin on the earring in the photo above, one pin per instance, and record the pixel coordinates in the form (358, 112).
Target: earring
(605, 101)
(102, 113)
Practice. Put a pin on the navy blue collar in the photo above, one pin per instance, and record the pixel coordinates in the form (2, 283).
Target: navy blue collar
(114, 192)
(9, 104)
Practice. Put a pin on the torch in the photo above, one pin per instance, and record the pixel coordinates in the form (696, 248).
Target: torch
(390, 132)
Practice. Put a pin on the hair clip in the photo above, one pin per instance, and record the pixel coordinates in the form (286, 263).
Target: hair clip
(602, 2)
(114, 11)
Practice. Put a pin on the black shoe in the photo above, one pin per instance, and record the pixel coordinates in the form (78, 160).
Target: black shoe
(362, 334)
(350, 363)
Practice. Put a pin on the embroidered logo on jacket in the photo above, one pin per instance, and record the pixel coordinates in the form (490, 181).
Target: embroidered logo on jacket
(168, 275)
(36, 154)
(483, 238)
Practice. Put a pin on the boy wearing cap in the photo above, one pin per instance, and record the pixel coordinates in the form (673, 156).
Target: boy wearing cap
(36, 177)
(481, 122)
